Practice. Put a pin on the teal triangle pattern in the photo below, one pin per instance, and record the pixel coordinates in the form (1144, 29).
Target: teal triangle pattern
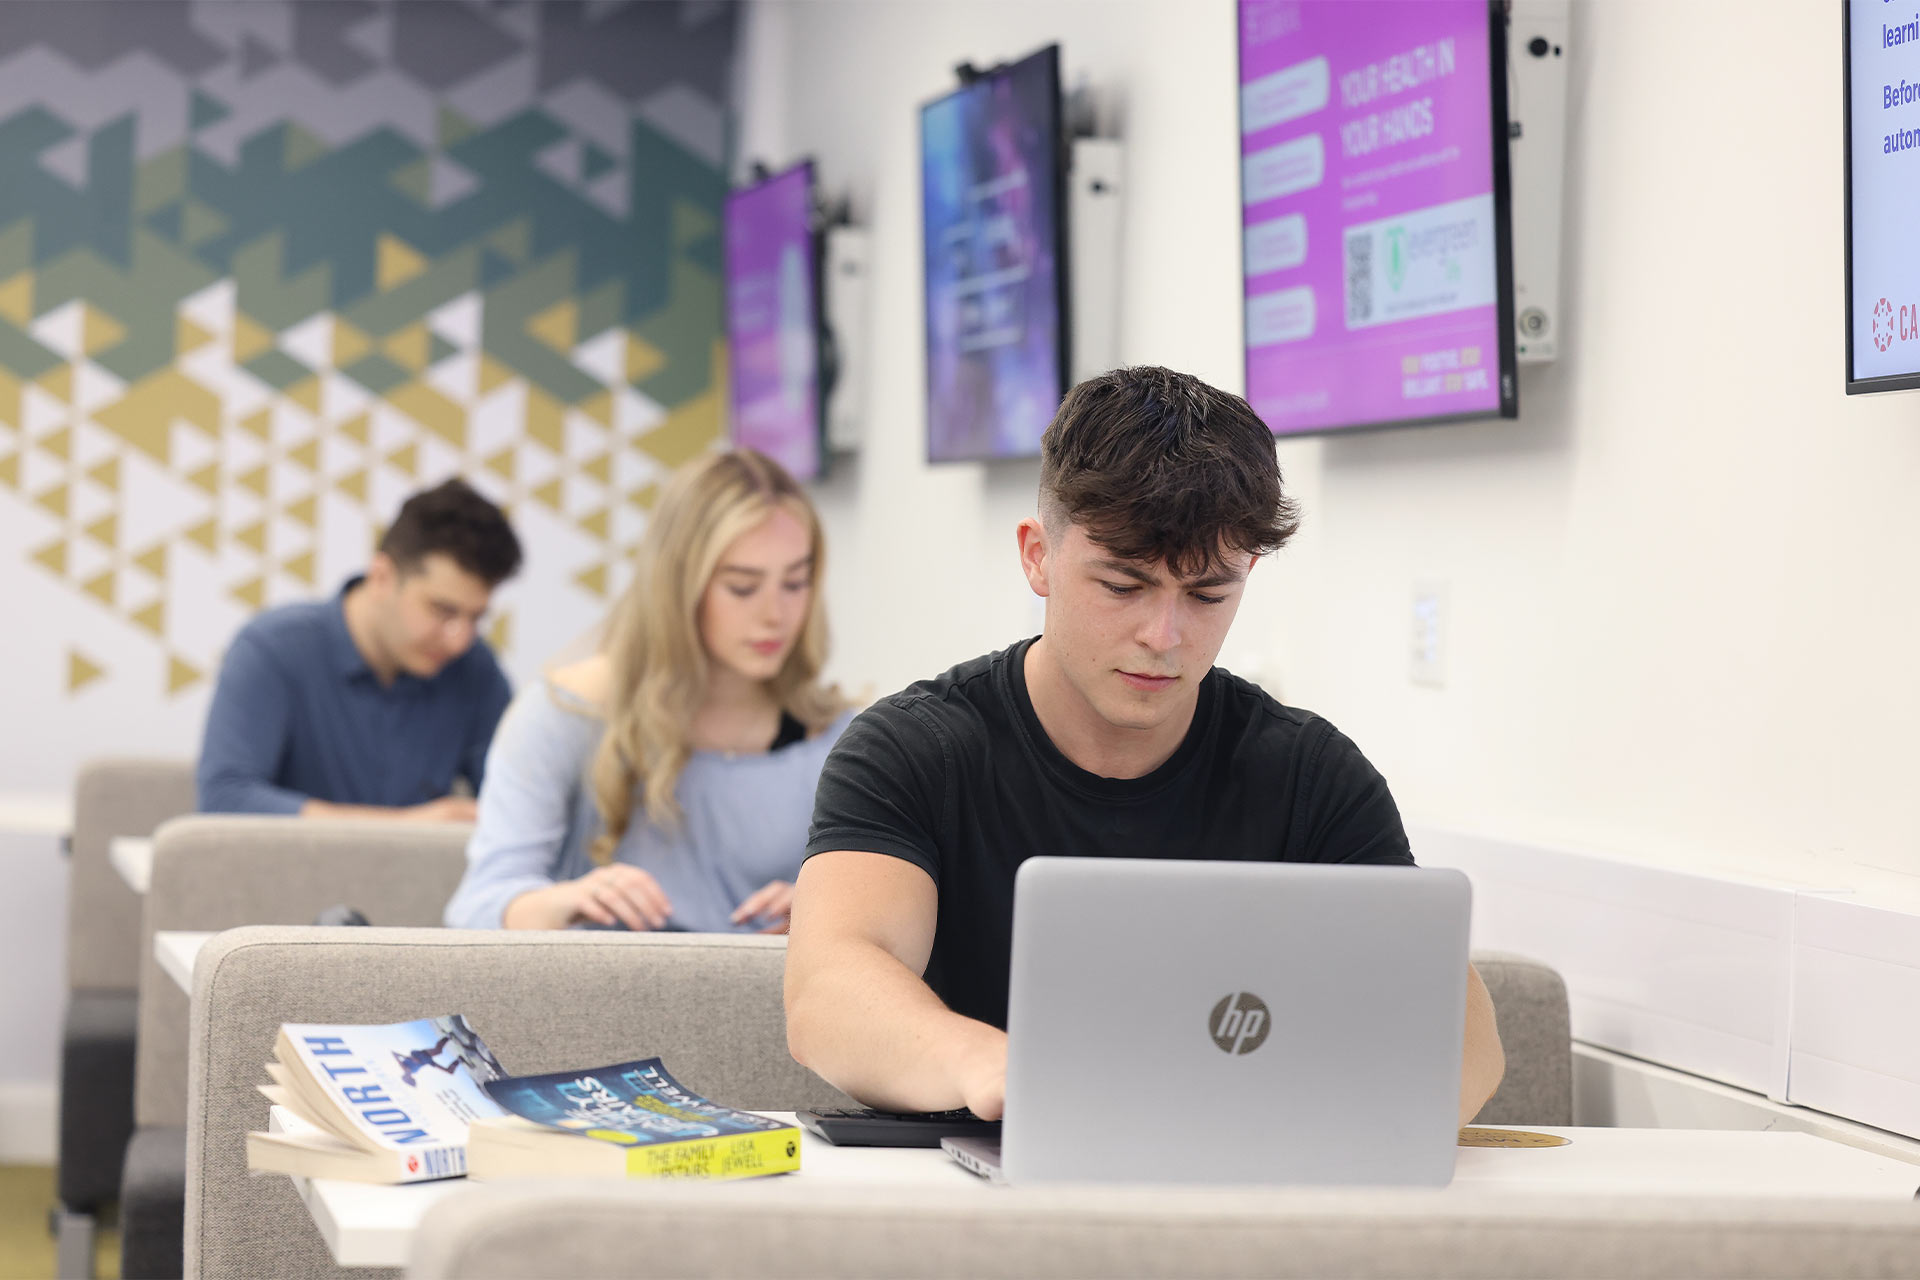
(495, 267)
(208, 110)
(438, 348)
(167, 221)
(595, 162)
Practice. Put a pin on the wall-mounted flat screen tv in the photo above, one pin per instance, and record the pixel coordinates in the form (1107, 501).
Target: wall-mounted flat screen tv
(993, 191)
(1881, 55)
(777, 397)
(1377, 250)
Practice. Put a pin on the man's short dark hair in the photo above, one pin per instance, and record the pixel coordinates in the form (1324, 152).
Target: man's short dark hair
(452, 520)
(1157, 465)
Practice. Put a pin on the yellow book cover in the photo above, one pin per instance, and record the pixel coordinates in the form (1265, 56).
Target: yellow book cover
(630, 1120)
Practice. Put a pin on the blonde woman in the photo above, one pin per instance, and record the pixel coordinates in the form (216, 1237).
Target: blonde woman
(667, 781)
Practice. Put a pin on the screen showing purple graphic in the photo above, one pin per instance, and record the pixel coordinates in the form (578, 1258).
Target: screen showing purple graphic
(773, 321)
(991, 176)
(1376, 252)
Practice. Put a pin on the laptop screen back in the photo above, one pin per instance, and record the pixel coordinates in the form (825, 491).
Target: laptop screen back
(1231, 1022)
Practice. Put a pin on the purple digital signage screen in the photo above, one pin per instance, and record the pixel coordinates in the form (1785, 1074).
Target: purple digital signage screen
(773, 322)
(1377, 248)
(993, 190)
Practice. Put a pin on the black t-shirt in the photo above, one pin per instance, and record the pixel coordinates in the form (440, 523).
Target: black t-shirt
(956, 776)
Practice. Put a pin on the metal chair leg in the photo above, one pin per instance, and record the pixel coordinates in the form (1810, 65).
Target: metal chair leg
(73, 1244)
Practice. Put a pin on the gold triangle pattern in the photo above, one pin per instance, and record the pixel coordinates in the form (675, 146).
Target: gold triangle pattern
(182, 674)
(593, 579)
(152, 619)
(81, 671)
(206, 535)
(101, 587)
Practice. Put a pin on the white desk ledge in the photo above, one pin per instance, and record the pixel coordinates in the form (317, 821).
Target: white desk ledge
(132, 857)
(178, 951)
(372, 1226)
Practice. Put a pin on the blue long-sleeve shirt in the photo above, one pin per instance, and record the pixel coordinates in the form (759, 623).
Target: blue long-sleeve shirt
(744, 825)
(297, 715)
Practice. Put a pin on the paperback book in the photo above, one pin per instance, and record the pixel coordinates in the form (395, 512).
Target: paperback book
(632, 1120)
(379, 1103)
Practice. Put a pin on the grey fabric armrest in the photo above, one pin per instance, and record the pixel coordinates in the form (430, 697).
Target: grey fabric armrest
(1530, 1005)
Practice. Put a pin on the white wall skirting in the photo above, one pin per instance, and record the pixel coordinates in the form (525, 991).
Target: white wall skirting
(1612, 1090)
(1801, 992)
(29, 1121)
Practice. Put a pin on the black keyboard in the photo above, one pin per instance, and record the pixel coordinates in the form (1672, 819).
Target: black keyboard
(865, 1127)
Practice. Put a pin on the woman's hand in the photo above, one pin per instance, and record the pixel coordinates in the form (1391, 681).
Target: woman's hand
(772, 903)
(606, 895)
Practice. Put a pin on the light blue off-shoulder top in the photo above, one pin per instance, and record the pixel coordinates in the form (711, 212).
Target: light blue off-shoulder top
(744, 822)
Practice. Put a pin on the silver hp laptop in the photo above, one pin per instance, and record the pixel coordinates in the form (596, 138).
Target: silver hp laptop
(1231, 1022)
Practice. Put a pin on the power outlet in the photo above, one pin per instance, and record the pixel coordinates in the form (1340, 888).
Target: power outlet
(1429, 650)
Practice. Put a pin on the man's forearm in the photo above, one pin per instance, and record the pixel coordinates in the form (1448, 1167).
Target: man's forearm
(1484, 1062)
(862, 1021)
(327, 809)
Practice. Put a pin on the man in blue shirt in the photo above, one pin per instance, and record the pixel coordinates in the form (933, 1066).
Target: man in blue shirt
(371, 704)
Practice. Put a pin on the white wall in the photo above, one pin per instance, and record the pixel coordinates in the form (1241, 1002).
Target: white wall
(1679, 606)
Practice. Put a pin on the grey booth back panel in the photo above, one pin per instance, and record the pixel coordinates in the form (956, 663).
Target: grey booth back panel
(114, 798)
(219, 872)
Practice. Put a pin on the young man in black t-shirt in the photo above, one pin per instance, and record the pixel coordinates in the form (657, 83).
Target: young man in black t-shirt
(1112, 734)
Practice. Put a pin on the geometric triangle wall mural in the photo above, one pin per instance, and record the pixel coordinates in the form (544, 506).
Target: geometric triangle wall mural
(265, 268)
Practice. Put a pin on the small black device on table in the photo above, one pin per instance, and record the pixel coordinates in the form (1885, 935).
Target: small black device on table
(864, 1127)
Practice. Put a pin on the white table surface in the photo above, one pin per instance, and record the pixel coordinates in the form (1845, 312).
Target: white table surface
(177, 950)
(372, 1226)
(132, 857)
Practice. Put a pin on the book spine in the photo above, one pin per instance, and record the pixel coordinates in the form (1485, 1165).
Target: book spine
(733, 1155)
(448, 1160)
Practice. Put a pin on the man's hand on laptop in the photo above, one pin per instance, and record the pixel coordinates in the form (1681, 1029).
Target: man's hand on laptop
(980, 1070)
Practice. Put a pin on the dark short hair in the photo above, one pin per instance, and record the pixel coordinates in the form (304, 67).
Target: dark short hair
(1157, 465)
(452, 520)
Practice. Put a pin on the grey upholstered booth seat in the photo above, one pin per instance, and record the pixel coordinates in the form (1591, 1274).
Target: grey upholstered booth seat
(1530, 1005)
(545, 1001)
(111, 798)
(217, 871)
(601, 1231)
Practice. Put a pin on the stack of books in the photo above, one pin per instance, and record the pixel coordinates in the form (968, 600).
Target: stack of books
(414, 1101)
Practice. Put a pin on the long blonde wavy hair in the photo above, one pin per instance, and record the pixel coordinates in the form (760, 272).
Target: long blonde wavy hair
(659, 662)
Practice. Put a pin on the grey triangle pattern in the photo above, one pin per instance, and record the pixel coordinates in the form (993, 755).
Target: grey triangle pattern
(256, 56)
(563, 161)
(320, 43)
(692, 119)
(448, 180)
(372, 38)
(611, 191)
(67, 161)
(134, 84)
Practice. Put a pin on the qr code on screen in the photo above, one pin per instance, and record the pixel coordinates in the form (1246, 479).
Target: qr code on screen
(1359, 277)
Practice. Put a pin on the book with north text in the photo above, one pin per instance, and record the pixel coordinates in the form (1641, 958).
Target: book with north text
(379, 1103)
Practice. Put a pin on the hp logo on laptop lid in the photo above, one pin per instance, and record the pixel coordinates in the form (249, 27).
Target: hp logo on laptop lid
(1240, 1022)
